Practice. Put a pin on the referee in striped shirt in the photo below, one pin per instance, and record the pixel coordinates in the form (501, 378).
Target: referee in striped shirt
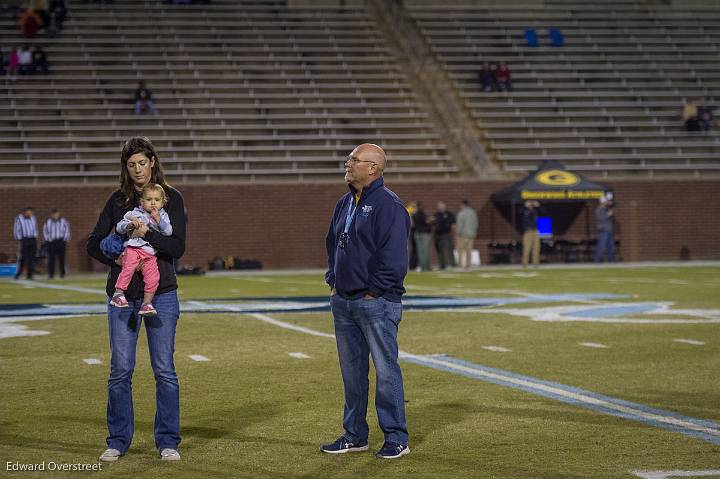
(56, 233)
(25, 232)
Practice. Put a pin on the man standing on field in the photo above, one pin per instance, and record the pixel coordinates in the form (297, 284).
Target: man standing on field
(367, 261)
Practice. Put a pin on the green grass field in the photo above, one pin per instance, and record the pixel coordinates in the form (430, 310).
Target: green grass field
(255, 411)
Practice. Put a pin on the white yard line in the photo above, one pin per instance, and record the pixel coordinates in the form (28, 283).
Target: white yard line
(198, 357)
(594, 345)
(689, 341)
(299, 355)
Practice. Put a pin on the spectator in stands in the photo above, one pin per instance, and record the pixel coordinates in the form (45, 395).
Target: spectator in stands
(2, 63)
(25, 232)
(531, 238)
(14, 63)
(30, 23)
(25, 60)
(411, 209)
(140, 166)
(705, 117)
(56, 234)
(143, 99)
(39, 61)
(605, 217)
(40, 7)
(487, 78)
(466, 229)
(503, 78)
(443, 221)
(691, 116)
(58, 13)
(423, 238)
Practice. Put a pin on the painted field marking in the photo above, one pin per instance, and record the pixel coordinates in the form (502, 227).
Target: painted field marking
(92, 361)
(497, 349)
(594, 345)
(198, 357)
(697, 428)
(299, 355)
(667, 474)
(689, 341)
(65, 287)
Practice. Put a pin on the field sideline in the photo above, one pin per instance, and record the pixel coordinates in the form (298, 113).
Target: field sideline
(509, 373)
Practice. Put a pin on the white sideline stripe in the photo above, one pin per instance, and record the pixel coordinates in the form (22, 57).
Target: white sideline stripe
(299, 355)
(92, 361)
(594, 345)
(577, 397)
(497, 349)
(689, 341)
(677, 473)
(198, 357)
(66, 287)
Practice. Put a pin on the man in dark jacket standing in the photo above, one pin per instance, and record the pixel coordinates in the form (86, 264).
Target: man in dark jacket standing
(367, 262)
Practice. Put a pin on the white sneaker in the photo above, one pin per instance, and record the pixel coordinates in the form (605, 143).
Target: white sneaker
(110, 455)
(169, 454)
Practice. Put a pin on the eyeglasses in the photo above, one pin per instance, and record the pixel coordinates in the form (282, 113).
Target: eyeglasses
(354, 160)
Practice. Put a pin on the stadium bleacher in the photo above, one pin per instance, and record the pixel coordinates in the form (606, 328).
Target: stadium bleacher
(246, 91)
(608, 102)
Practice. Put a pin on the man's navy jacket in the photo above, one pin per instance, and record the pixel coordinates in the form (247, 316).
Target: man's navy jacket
(374, 258)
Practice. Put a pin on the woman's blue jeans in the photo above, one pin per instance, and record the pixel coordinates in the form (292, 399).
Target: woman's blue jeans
(124, 325)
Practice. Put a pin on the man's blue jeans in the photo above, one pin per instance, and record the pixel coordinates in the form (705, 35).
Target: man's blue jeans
(365, 327)
(124, 325)
(606, 240)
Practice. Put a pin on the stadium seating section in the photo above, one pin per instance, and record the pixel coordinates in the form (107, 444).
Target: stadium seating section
(270, 91)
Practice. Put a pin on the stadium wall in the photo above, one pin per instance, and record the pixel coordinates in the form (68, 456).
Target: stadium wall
(284, 225)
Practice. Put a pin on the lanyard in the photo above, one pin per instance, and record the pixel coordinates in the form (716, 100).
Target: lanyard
(350, 213)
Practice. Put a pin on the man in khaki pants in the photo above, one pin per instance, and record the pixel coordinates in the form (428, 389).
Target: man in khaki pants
(466, 228)
(531, 239)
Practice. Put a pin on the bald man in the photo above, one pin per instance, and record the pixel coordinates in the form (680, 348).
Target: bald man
(367, 262)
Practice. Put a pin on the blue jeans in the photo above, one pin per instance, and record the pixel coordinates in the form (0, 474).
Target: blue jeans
(605, 241)
(365, 327)
(124, 325)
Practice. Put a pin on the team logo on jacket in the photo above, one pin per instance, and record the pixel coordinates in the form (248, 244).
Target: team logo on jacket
(366, 210)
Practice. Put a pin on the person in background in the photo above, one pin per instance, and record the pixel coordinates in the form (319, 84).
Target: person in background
(443, 221)
(14, 63)
(423, 238)
(691, 116)
(56, 234)
(531, 238)
(411, 209)
(143, 99)
(25, 60)
(605, 217)
(503, 78)
(466, 229)
(39, 61)
(487, 78)
(25, 232)
(58, 13)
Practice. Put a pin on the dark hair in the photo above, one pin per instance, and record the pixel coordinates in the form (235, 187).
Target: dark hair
(53, 211)
(139, 144)
(465, 202)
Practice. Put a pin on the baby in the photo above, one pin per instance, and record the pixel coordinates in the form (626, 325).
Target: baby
(137, 251)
